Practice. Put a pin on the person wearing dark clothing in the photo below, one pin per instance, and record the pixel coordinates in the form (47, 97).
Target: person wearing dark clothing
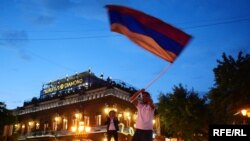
(112, 126)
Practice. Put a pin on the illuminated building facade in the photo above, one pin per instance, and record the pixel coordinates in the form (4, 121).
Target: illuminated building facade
(76, 107)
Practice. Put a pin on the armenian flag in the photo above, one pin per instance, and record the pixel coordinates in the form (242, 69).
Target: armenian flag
(152, 34)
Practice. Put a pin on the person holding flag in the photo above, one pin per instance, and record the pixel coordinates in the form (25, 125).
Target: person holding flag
(145, 115)
(155, 36)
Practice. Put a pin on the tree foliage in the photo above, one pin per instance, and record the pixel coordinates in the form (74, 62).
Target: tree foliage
(6, 117)
(183, 114)
(231, 91)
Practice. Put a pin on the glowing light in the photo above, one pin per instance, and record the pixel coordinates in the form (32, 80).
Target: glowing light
(37, 125)
(81, 128)
(73, 129)
(87, 129)
(106, 110)
(119, 115)
(153, 121)
(135, 117)
(129, 117)
(127, 114)
(31, 123)
(244, 112)
(248, 114)
(81, 123)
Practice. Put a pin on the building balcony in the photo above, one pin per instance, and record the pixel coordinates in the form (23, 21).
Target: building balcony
(96, 133)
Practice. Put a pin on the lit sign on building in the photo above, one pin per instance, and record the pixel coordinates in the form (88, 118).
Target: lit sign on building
(62, 86)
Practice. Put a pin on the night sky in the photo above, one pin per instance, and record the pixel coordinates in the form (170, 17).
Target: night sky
(43, 40)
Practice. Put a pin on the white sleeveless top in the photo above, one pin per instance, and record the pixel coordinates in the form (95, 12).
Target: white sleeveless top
(145, 116)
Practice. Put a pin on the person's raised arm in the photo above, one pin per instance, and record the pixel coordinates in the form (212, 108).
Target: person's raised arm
(134, 97)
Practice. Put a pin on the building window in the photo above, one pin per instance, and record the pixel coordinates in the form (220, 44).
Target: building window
(46, 127)
(30, 126)
(98, 120)
(86, 120)
(17, 128)
(54, 126)
(74, 123)
(65, 124)
(23, 129)
(37, 125)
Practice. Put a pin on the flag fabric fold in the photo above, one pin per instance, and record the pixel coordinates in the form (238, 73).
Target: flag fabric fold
(152, 34)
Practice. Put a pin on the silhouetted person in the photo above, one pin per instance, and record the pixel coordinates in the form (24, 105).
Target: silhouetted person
(112, 125)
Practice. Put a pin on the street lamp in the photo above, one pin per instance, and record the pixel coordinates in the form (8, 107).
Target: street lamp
(246, 114)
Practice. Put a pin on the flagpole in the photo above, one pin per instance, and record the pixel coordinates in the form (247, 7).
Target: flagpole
(158, 76)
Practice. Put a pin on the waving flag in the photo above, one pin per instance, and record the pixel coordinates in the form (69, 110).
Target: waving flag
(150, 33)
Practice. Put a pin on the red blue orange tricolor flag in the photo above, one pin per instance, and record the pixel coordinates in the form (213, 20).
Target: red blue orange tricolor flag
(152, 34)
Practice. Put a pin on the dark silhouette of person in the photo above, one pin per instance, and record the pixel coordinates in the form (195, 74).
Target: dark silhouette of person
(112, 125)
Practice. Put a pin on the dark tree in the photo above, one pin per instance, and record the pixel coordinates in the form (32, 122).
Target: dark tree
(6, 117)
(183, 114)
(231, 91)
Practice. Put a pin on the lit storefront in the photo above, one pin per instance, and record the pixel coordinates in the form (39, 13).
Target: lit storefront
(76, 107)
